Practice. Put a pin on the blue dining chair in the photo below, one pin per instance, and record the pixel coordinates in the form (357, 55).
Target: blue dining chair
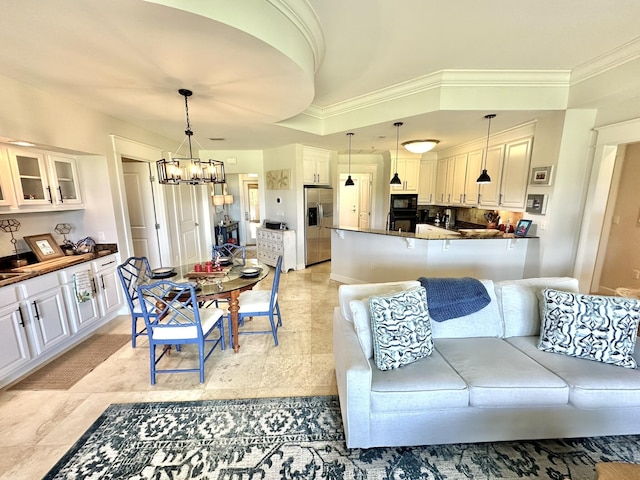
(261, 303)
(133, 271)
(172, 317)
(231, 250)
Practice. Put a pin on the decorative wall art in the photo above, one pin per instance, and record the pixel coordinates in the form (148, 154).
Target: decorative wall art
(541, 175)
(44, 247)
(279, 179)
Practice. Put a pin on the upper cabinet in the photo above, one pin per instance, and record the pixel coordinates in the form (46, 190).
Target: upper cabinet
(427, 183)
(43, 181)
(409, 172)
(316, 166)
(508, 166)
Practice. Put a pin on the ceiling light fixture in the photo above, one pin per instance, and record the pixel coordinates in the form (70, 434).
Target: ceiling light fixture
(189, 170)
(396, 179)
(349, 182)
(484, 176)
(420, 146)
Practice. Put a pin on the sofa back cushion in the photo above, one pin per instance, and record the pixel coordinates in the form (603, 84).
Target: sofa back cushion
(346, 293)
(518, 301)
(483, 323)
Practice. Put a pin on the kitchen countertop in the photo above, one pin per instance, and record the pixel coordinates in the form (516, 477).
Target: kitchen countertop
(33, 269)
(454, 235)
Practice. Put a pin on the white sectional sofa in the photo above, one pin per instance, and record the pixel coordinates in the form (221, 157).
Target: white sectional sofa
(485, 379)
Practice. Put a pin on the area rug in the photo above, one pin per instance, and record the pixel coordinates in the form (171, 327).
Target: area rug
(302, 438)
(66, 370)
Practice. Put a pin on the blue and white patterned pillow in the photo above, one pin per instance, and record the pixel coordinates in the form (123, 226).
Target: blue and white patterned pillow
(589, 326)
(401, 328)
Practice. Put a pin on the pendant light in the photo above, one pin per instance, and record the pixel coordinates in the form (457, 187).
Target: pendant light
(396, 179)
(189, 170)
(349, 182)
(484, 176)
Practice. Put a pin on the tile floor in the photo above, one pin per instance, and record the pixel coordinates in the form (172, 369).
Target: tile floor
(38, 427)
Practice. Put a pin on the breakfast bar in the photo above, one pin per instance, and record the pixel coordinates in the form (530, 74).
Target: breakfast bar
(370, 255)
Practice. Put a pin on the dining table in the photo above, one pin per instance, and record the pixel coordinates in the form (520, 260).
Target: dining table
(227, 283)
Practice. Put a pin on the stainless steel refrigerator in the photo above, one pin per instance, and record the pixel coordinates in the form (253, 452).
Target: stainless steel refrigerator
(318, 207)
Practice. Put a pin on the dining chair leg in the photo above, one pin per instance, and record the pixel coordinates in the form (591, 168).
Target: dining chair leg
(152, 356)
(274, 330)
(279, 316)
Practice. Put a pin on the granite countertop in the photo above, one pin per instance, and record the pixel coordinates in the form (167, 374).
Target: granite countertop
(455, 233)
(10, 275)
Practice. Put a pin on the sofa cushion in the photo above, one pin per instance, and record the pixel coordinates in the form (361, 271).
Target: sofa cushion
(519, 302)
(500, 375)
(362, 325)
(346, 293)
(593, 327)
(429, 383)
(591, 384)
(483, 323)
(400, 327)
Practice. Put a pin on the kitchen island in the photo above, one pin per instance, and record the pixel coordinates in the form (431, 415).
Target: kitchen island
(370, 255)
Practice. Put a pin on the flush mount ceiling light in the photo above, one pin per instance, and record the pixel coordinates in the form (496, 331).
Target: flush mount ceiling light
(420, 146)
(349, 182)
(484, 176)
(189, 170)
(396, 179)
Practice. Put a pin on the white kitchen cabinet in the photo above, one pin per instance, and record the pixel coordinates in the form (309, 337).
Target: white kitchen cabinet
(474, 169)
(409, 172)
(459, 178)
(316, 166)
(508, 167)
(45, 311)
(273, 243)
(444, 180)
(107, 284)
(14, 348)
(84, 314)
(47, 181)
(7, 196)
(427, 182)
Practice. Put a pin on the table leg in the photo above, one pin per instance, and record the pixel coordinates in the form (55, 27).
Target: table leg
(234, 306)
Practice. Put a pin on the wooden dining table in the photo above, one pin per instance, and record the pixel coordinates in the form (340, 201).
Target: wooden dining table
(227, 285)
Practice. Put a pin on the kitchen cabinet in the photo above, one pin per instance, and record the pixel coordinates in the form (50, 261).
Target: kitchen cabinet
(508, 166)
(14, 348)
(409, 172)
(427, 182)
(273, 243)
(444, 180)
(459, 178)
(44, 180)
(84, 314)
(45, 312)
(107, 284)
(472, 188)
(7, 197)
(316, 166)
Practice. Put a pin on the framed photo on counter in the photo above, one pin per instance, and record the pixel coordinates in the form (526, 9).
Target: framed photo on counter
(44, 247)
(522, 228)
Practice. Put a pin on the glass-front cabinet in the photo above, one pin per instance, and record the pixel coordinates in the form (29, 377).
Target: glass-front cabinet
(44, 179)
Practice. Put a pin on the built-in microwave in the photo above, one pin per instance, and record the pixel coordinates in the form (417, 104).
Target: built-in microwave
(404, 202)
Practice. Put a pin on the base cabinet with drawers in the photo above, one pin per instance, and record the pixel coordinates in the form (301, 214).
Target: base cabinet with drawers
(40, 317)
(273, 243)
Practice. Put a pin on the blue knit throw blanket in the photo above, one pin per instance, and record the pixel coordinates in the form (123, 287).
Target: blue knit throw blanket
(449, 298)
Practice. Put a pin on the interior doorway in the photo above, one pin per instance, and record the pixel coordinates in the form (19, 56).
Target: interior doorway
(355, 201)
(252, 217)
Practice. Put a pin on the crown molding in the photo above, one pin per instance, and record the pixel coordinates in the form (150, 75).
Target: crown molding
(608, 61)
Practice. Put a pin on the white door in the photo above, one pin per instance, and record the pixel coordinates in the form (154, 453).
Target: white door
(251, 205)
(141, 208)
(349, 202)
(185, 219)
(364, 191)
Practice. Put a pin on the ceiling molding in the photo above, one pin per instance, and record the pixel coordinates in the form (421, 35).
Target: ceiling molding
(613, 59)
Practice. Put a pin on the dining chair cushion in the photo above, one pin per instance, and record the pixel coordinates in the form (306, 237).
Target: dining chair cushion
(208, 318)
(254, 301)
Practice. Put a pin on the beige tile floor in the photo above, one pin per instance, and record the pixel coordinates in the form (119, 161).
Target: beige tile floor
(38, 427)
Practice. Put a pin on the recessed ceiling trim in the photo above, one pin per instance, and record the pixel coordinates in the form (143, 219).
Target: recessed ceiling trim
(610, 60)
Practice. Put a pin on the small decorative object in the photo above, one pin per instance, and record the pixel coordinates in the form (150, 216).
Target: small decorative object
(67, 246)
(522, 228)
(541, 175)
(11, 225)
(44, 247)
(492, 218)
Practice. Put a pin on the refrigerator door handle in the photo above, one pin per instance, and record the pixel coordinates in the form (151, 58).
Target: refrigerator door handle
(320, 216)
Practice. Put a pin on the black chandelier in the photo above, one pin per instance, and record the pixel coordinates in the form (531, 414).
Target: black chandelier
(190, 170)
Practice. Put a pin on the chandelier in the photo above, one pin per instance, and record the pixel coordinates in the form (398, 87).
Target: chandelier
(190, 170)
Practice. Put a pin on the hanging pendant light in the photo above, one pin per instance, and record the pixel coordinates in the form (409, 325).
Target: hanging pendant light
(349, 182)
(484, 176)
(189, 170)
(396, 179)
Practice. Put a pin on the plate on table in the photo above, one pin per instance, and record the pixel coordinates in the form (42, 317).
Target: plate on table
(164, 272)
(250, 272)
(225, 260)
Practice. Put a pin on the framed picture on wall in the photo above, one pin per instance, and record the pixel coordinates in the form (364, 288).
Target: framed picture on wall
(44, 247)
(541, 175)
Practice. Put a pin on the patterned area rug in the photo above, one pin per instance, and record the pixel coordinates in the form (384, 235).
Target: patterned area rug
(66, 370)
(301, 438)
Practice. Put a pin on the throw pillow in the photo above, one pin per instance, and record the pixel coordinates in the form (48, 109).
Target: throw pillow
(401, 328)
(589, 326)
